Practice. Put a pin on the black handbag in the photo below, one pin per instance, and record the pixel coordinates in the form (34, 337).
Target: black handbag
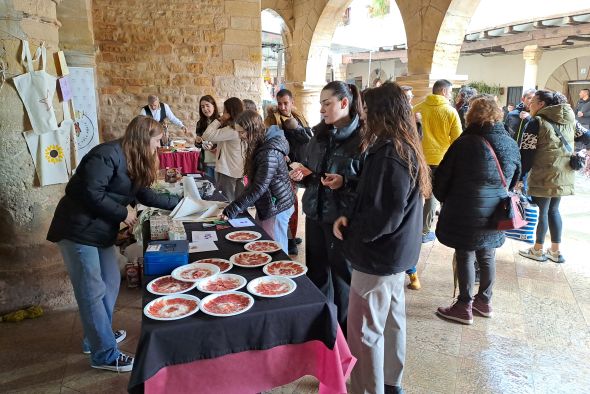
(577, 160)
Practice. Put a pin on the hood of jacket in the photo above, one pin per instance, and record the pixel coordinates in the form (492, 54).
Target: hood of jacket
(560, 113)
(436, 100)
(275, 139)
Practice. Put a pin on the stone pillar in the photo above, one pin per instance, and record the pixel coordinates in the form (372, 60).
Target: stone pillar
(307, 100)
(31, 269)
(531, 54)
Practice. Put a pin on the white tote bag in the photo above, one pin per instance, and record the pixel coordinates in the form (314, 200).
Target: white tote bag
(67, 131)
(50, 153)
(36, 90)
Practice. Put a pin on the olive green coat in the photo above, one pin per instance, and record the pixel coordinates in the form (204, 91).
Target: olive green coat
(551, 174)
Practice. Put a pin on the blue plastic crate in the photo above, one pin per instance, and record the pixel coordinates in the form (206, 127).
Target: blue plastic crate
(162, 257)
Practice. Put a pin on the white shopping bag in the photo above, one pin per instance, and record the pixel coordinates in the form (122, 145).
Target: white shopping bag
(49, 151)
(36, 90)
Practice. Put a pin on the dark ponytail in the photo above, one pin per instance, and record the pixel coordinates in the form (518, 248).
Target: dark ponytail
(350, 91)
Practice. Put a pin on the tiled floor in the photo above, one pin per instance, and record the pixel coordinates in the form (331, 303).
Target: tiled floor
(537, 342)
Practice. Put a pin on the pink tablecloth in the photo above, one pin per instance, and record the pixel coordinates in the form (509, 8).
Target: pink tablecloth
(188, 161)
(259, 370)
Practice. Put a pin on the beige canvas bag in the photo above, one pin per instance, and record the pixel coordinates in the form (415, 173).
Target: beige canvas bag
(36, 89)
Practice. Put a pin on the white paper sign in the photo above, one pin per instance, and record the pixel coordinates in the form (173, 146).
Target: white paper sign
(241, 222)
(84, 97)
(202, 246)
(204, 236)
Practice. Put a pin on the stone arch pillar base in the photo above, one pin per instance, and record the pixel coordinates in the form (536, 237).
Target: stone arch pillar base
(307, 99)
(422, 83)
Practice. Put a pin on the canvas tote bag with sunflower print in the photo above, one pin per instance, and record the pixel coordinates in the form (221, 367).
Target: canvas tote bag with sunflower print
(54, 153)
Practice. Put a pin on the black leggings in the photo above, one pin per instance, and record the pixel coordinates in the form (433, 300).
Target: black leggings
(548, 216)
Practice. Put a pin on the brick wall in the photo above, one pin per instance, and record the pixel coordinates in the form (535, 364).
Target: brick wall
(179, 50)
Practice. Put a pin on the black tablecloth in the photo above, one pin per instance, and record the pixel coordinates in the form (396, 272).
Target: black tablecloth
(301, 316)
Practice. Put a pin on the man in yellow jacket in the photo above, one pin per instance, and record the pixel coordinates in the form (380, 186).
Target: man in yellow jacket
(441, 126)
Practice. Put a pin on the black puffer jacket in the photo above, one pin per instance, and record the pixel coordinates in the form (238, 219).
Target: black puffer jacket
(270, 189)
(468, 185)
(383, 236)
(335, 151)
(514, 124)
(97, 197)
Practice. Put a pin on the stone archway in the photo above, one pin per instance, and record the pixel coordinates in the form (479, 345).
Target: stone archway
(435, 31)
(569, 71)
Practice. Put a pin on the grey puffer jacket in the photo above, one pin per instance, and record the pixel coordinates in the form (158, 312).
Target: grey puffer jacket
(270, 189)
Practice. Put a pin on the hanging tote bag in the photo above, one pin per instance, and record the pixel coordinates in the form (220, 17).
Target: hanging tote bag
(36, 90)
(510, 212)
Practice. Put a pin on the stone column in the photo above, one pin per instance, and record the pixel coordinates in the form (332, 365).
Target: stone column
(31, 269)
(307, 99)
(531, 54)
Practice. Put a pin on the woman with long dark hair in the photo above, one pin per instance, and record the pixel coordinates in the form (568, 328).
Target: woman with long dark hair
(269, 188)
(469, 186)
(229, 163)
(334, 158)
(545, 159)
(208, 112)
(382, 239)
(85, 224)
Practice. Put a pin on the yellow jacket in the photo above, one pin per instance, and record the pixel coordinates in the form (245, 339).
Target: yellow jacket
(441, 126)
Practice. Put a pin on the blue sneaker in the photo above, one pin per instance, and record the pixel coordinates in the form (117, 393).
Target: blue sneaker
(428, 237)
(120, 336)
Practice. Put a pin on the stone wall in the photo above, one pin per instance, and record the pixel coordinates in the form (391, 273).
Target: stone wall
(178, 50)
(31, 270)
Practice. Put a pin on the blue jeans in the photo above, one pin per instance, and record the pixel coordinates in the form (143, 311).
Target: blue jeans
(276, 226)
(411, 270)
(94, 273)
(210, 171)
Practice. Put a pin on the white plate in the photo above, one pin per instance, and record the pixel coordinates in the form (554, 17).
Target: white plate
(255, 235)
(227, 297)
(291, 269)
(203, 284)
(235, 257)
(181, 285)
(185, 272)
(263, 246)
(149, 309)
(223, 264)
(288, 285)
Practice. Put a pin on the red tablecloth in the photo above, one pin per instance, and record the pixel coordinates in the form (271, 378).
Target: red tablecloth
(187, 161)
(259, 370)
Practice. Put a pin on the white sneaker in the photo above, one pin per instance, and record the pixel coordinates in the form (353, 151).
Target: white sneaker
(533, 254)
(556, 257)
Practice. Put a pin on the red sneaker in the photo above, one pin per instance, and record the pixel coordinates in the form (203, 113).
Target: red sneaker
(459, 312)
(482, 308)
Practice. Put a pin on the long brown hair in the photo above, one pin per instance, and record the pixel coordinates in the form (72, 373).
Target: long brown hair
(252, 123)
(234, 107)
(203, 121)
(142, 164)
(389, 117)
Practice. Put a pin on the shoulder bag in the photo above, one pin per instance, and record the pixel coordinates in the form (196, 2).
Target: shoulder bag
(510, 213)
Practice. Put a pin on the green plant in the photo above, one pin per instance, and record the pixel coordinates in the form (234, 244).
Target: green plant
(483, 87)
(379, 8)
